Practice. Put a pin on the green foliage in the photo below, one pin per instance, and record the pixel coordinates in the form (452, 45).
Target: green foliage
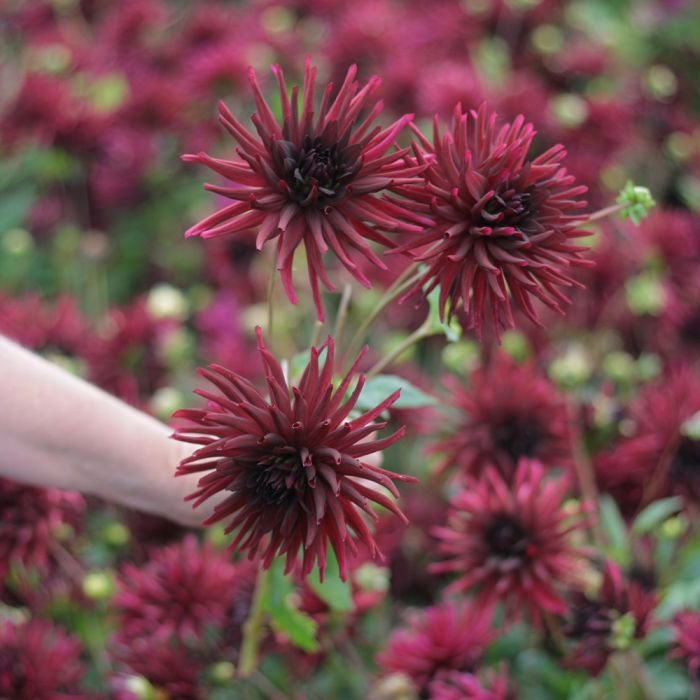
(333, 591)
(285, 617)
(376, 389)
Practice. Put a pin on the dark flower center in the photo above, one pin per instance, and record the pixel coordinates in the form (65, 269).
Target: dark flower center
(517, 436)
(276, 481)
(506, 538)
(589, 619)
(506, 208)
(686, 461)
(316, 172)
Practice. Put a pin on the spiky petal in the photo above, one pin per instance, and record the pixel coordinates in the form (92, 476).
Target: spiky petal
(446, 637)
(292, 463)
(512, 542)
(313, 179)
(503, 225)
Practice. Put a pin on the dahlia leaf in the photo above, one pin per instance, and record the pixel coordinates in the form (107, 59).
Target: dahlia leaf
(285, 618)
(655, 514)
(614, 530)
(378, 388)
(451, 329)
(333, 591)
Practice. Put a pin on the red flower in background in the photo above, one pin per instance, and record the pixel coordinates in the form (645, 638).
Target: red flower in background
(591, 619)
(29, 518)
(446, 637)
(38, 662)
(467, 686)
(313, 179)
(171, 669)
(177, 594)
(662, 457)
(686, 628)
(512, 542)
(292, 463)
(503, 226)
(505, 412)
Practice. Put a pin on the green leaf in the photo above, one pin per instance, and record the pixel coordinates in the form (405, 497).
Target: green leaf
(285, 617)
(655, 513)
(614, 530)
(333, 591)
(14, 207)
(451, 329)
(378, 388)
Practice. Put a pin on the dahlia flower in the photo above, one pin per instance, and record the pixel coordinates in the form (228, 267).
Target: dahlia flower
(292, 463)
(512, 542)
(170, 668)
(446, 637)
(467, 686)
(38, 662)
(686, 629)
(590, 621)
(505, 412)
(29, 518)
(503, 226)
(180, 591)
(313, 179)
(660, 458)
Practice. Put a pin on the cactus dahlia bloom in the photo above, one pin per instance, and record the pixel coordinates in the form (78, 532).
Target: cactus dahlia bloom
(507, 411)
(177, 594)
(29, 518)
(467, 686)
(686, 632)
(512, 543)
(292, 463)
(446, 637)
(503, 226)
(312, 179)
(38, 662)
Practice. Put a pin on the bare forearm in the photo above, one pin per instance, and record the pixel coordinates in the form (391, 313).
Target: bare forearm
(57, 430)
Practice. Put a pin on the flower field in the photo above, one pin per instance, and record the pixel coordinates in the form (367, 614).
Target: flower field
(415, 286)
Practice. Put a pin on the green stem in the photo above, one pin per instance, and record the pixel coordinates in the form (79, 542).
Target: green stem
(423, 331)
(270, 296)
(253, 627)
(342, 313)
(403, 282)
(605, 212)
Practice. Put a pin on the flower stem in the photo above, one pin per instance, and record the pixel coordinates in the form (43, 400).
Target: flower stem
(604, 213)
(423, 331)
(342, 313)
(253, 627)
(270, 305)
(403, 282)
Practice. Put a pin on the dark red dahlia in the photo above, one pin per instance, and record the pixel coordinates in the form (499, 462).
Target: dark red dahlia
(169, 668)
(503, 226)
(504, 412)
(686, 629)
(467, 686)
(29, 520)
(182, 590)
(446, 637)
(292, 463)
(511, 542)
(312, 179)
(126, 359)
(38, 662)
(662, 456)
(591, 619)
